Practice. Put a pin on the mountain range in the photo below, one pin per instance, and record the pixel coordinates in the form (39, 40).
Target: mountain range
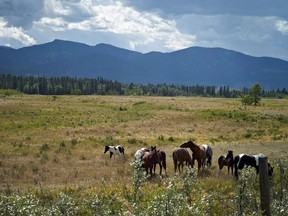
(190, 66)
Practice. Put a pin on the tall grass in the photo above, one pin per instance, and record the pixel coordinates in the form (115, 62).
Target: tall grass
(182, 195)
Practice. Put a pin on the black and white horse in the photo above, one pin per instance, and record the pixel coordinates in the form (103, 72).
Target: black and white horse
(242, 160)
(114, 150)
(209, 154)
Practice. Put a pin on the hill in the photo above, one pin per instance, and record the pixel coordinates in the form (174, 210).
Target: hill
(191, 66)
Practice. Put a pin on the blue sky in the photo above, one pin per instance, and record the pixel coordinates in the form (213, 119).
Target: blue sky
(254, 27)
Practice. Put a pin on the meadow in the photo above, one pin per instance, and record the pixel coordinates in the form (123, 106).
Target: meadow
(51, 145)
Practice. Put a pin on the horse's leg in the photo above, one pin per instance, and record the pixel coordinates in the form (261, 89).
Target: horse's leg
(182, 165)
(220, 164)
(179, 164)
(193, 162)
(235, 171)
(164, 164)
(209, 161)
(160, 164)
(175, 165)
(199, 164)
(111, 153)
(151, 167)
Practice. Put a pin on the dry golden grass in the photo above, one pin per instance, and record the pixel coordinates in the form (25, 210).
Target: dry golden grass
(59, 141)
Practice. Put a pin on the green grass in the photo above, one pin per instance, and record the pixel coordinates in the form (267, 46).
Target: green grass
(56, 143)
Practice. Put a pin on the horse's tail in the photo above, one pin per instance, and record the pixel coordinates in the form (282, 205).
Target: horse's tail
(121, 149)
(174, 160)
(220, 161)
(209, 156)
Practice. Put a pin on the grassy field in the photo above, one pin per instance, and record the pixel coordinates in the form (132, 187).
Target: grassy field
(57, 141)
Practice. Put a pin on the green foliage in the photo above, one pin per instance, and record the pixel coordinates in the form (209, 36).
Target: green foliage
(8, 92)
(177, 196)
(247, 100)
(253, 97)
(100, 86)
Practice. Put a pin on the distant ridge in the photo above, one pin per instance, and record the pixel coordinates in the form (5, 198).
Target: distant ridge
(190, 66)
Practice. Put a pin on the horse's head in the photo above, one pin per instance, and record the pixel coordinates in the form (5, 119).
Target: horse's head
(154, 155)
(229, 154)
(187, 144)
(106, 148)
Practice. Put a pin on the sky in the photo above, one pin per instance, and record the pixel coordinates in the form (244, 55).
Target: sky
(253, 27)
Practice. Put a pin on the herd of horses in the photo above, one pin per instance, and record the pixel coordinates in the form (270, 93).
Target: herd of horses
(150, 157)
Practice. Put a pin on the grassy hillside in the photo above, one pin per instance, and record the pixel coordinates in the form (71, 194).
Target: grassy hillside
(57, 142)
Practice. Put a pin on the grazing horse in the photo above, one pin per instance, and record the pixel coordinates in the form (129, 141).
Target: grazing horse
(226, 161)
(162, 161)
(114, 150)
(199, 153)
(181, 155)
(139, 153)
(242, 160)
(150, 159)
(209, 154)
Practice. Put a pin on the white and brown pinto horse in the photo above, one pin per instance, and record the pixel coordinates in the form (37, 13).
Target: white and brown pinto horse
(114, 150)
(209, 154)
(242, 160)
(140, 152)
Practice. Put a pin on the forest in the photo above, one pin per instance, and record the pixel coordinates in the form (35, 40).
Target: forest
(100, 86)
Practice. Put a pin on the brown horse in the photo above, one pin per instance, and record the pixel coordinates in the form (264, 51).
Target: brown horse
(150, 159)
(181, 155)
(226, 161)
(199, 153)
(162, 161)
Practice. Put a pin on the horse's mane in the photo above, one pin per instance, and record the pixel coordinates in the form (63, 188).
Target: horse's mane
(192, 145)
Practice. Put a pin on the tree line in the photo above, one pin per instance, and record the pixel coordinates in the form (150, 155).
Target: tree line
(65, 85)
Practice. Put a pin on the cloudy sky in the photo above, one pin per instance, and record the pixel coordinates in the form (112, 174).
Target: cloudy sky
(254, 27)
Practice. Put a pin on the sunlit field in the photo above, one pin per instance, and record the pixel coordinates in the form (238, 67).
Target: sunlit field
(56, 143)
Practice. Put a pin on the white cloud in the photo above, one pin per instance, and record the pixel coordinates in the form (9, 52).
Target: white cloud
(56, 24)
(15, 33)
(282, 26)
(56, 7)
(141, 29)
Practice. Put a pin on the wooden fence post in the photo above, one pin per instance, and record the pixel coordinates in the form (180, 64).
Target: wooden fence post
(264, 186)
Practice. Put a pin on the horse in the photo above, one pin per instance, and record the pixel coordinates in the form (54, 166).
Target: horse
(242, 160)
(199, 153)
(209, 154)
(226, 161)
(150, 159)
(139, 153)
(181, 155)
(114, 150)
(162, 162)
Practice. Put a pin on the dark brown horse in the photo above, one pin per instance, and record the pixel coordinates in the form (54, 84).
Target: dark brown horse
(226, 161)
(181, 155)
(199, 153)
(162, 163)
(150, 159)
